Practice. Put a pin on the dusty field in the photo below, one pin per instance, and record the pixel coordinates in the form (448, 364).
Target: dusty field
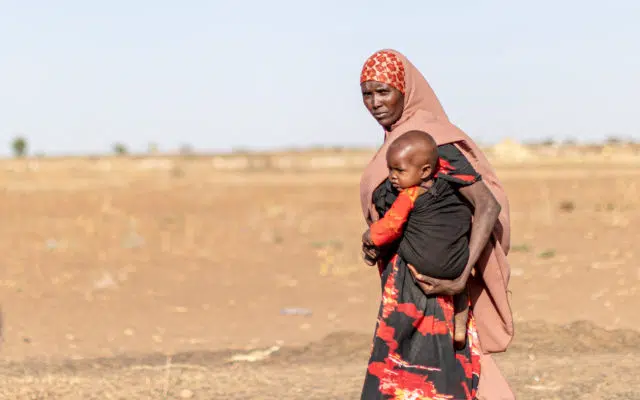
(120, 284)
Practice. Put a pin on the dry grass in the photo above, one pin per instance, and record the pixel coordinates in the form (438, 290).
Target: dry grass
(120, 277)
(601, 365)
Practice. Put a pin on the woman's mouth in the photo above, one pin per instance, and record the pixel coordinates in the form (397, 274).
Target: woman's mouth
(381, 115)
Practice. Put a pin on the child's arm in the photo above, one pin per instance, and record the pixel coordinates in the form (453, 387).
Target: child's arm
(389, 228)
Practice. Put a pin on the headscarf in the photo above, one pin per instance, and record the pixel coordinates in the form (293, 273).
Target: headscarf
(423, 111)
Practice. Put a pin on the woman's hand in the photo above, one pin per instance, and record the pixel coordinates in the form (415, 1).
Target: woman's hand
(433, 286)
(366, 239)
(370, 255)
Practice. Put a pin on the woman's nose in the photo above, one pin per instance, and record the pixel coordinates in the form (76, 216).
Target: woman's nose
(376, 101)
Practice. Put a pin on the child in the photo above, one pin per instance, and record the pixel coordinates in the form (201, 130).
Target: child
(435, 219)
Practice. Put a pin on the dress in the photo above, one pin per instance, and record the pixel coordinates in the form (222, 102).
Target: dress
(413, 354)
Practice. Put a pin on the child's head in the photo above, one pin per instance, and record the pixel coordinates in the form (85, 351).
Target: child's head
(412, 158)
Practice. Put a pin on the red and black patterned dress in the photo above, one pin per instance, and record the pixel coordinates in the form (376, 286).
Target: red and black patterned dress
(413, 354)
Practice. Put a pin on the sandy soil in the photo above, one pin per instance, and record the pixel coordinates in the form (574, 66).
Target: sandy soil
(122, 285)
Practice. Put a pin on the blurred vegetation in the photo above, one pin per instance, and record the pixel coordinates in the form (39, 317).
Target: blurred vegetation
(19, 146)
(120, 149)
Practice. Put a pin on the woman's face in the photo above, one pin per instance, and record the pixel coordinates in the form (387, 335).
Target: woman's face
(383, 101)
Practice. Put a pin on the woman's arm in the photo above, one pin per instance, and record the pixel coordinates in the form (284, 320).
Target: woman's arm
(485, 215)
(455, 167)
(486, 210)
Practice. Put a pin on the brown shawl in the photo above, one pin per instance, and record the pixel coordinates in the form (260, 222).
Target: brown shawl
(423, 111)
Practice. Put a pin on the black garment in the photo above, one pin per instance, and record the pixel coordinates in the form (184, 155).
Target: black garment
(436, 237)
(455, 167)
(413, 355)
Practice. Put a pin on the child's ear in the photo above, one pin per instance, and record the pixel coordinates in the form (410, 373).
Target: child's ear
(426, 172)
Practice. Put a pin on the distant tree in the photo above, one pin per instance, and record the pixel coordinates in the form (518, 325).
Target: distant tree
(152, 148)
(120, 149)
(19, 146)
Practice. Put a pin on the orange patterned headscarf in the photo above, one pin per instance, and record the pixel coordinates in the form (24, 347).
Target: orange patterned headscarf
(385, 67)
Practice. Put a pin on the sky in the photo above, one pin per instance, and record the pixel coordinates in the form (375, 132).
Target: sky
(77, 76)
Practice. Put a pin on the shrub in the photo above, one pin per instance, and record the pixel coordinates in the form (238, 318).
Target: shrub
(120, 149)
(19, 146)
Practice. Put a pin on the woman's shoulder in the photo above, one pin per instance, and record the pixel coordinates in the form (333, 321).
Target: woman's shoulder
(455, 167)
(451, 152)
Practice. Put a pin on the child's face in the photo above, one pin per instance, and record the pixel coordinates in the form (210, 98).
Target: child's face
(403, 173)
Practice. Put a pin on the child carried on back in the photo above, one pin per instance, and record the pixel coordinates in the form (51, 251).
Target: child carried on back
(428, 221)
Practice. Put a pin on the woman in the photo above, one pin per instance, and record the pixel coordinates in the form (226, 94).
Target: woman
(401, 100)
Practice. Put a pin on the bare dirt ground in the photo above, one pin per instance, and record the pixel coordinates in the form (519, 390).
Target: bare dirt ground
(149, 284)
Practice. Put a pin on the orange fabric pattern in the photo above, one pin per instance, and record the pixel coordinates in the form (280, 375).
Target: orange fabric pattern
(393, 373)
(389, 228)
(384, 67)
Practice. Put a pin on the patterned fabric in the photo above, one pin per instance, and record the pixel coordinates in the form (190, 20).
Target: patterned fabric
(384, 67)
(454, 166)
(413, 355)
(389, 228)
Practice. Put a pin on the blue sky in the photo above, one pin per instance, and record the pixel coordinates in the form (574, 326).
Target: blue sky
(77, 76)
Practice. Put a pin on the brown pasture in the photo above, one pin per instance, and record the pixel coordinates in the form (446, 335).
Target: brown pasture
(166, 277)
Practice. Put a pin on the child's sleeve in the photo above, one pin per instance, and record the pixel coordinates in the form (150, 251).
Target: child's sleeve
(389, 228)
